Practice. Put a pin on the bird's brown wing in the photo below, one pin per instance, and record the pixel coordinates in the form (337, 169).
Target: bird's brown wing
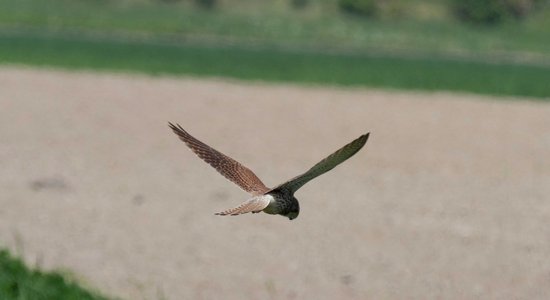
(255, 204)
(325, 165)
(225, 165)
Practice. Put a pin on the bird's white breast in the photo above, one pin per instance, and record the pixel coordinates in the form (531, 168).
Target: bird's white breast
(271, 208)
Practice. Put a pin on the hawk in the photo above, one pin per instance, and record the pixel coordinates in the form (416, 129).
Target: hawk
(279, 200)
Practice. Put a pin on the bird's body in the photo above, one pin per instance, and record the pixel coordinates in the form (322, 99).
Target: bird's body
(279, 200)
(282, 204)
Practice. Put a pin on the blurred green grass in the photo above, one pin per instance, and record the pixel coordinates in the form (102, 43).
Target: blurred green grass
(272, 64)
(414, 25)
(414, 45)
(17, 282)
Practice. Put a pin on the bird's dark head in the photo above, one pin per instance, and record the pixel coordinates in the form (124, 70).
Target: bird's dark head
(294, 210)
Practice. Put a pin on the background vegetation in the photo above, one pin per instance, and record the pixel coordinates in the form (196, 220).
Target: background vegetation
(394, 43)
(413, 25)
(17, 282)
(265, 63)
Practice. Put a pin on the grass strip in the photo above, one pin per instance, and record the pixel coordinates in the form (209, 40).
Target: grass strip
(17, 282)
(270, 64)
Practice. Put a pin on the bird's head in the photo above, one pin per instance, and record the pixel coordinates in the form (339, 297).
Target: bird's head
(294, 210)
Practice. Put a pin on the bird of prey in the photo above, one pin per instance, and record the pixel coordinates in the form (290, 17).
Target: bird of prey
(279, 200)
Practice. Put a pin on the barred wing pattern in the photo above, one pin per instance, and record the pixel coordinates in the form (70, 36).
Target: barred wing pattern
(254, 205)
(325, 165)
(225, 165)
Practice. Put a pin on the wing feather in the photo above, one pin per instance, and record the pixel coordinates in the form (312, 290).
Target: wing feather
(324, 165)
(225, 165)
(254, 205)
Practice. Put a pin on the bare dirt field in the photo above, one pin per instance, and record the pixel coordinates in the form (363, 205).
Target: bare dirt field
(449, 199)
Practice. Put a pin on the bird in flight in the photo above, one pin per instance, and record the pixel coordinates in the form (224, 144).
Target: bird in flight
(279, 200)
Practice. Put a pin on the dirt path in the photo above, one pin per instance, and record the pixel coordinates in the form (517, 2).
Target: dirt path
(449, 200)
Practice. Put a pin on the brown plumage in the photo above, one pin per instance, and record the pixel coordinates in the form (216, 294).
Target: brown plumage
(225, 165)
(278, 200)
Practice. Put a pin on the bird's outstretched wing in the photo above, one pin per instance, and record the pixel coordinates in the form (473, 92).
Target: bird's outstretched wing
(254, 205)
(324, 165)
(225, 165)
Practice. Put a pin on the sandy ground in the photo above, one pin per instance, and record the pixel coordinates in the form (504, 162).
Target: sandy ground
(449, 199)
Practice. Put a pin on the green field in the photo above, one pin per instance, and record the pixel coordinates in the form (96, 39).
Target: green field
(416, 46)
(433, 73)
(17, 282)
(411, 25)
